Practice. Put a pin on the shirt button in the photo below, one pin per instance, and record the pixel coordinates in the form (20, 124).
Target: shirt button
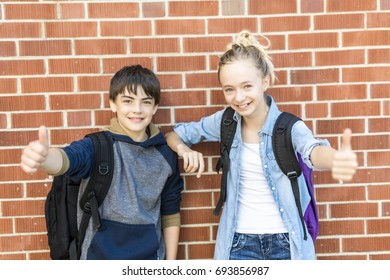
(281, 210)
(262, 143)
(265, 166)
(293, 232)
(273, 188)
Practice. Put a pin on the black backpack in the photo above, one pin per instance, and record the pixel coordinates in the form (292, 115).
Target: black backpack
(285, 156)
(64, 236)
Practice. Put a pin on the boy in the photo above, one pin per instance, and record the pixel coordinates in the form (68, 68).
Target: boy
(146, 187)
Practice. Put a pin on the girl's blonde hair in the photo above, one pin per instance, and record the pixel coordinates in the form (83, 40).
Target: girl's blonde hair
(245, 47)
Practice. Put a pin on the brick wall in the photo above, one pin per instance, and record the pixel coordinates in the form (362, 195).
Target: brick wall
(333, 65)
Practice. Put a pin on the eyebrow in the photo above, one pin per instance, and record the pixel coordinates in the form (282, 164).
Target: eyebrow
(131, 97)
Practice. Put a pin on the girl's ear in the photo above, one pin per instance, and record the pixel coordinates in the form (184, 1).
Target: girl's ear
(113, 106)
(266, 82)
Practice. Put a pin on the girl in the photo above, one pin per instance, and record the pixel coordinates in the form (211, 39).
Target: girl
(260, 219)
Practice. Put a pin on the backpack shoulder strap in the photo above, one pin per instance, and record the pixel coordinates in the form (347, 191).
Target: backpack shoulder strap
(228, 129)
(285, 156)
(97, 187)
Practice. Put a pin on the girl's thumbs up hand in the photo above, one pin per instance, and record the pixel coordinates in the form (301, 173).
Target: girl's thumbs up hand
(344, 161)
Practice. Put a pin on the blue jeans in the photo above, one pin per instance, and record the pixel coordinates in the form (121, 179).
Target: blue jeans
(260, 247)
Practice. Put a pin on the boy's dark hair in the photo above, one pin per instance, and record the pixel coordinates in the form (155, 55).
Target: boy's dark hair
(131, 77)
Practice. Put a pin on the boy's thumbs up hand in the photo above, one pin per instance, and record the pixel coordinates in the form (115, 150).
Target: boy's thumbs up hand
(344, 161)
(36, 152)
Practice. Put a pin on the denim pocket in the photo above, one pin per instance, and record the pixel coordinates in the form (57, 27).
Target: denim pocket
(283, 240)
(238, 243)
(119, 241)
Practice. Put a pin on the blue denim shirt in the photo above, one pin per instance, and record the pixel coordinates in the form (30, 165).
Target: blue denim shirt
(208, 129)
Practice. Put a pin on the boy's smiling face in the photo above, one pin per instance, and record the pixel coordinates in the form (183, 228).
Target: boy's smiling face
(134, 112)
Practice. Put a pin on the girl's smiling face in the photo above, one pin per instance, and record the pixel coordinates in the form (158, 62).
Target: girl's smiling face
(243, 86)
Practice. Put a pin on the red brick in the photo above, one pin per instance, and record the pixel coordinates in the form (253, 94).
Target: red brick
(337, 127)
(185, 115)
(21, 67)
(378, 158)
(163, 116)
(366, 74)
(202, 80)
(191, 234)
(335, 228)
(45, 48)
(378, 20)
(100, 46)
(350, 6)
(367, 244)
(33, 224)
(7, 49)
(231, 25)
(111, 65)
(39, 256)
(378, 226)
(23, 207)
(380, 90)
(72, 10)
(192, 8)
(170, 81)
(13, 257)
(20, 30)
(71, 29)
(370, 108)
(11, 190)
(327, 245)
(183, 98)
(196, 199)
(385, 5)
(6, 226)
(23, 243)
(174, 27)
(30, 11)
(3, 120)
(8, 85)
(206, 182)
(74, 101)
(81, 118)
(66, 136)
(33, 120)
(339, 21)
(365, 38)
(342, 92)
(94, 83)
(261, 7)
(313, 40)
(113, 10)
(309, 6)
(379, 192)
(126, 28)
(291, 60)
(320, 76)
(290, 23)
(201, 251)
(22, 103)
(74, 65)
(40, 189)
(203, 44)
(233, 7)
(153, 10)
(319, 110)
(379, 56)
(47, 84)
(341, 194)
(289, 94)
(340, 57)
(103, 117)
(155, 45)
(354, 210)
(181, 63)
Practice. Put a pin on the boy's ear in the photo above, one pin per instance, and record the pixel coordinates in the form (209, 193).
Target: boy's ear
(113, 106)
(155, 109)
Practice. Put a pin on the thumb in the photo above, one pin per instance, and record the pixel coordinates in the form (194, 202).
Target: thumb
(42, 136)
(346, 140)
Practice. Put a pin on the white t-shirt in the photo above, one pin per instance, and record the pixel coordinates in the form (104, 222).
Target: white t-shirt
(257, 210)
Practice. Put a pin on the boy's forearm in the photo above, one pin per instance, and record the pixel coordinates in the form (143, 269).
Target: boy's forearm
(171, 237)
(53, 162)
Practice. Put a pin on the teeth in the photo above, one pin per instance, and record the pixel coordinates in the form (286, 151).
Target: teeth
(243, 106)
